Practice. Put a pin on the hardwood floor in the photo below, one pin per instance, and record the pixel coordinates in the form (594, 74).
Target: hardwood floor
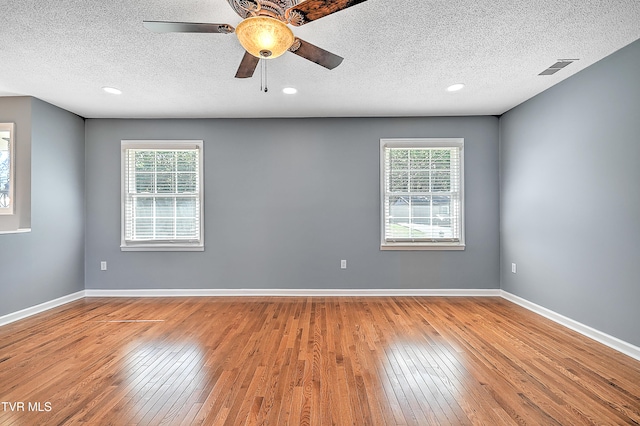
(308, 361)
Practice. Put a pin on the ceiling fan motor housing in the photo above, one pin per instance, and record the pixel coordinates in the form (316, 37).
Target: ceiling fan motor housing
(273, 8)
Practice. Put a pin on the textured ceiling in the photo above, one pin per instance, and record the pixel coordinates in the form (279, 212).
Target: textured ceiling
(399, 57)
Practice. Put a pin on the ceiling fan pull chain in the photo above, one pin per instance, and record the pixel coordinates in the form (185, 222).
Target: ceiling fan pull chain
(263, 76)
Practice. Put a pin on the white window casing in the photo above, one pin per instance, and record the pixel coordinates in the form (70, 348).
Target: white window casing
(422, 194)
(162, 195)
(7, 169)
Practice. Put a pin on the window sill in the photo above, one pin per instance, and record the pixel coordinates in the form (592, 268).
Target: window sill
(158, 247)
(16, 231)
(417, 246)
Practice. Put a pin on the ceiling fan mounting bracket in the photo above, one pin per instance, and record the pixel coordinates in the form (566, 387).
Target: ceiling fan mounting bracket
(295, 46)
(248, 5)
(225, 29)
(295, 17)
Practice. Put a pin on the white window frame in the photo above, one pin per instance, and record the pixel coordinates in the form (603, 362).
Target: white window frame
(10, 209)
(162, 245)
(420, 244)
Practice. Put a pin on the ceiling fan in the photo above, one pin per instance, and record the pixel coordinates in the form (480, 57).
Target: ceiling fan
(264, 33)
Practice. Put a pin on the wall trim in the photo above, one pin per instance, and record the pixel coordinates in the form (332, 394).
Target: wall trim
(27, 312)
(604, 338)
(286, 292)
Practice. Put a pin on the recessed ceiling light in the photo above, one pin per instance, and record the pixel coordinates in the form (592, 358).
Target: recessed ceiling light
(290, 90)
(112, 90)
(455, 87)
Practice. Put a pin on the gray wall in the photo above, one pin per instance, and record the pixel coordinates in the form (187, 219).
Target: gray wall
(286, 199)
(570, 197)
(47, 262)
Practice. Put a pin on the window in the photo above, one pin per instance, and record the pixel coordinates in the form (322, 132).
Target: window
(162, 199)
(7, 166)
(422, 194)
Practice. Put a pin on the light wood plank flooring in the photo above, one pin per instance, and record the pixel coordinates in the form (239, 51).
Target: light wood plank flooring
(308, 361)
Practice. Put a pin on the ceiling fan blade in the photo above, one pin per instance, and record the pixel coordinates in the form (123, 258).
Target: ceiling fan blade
(312, 10)
(315, 54)
(187, 27)
(247, 66)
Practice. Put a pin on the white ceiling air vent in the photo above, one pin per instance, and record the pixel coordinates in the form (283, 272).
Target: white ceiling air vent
(557, 66)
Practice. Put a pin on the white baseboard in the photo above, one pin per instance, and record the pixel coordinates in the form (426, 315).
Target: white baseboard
(599, 336)
(27, 312)
(285, 292)
(612, 342)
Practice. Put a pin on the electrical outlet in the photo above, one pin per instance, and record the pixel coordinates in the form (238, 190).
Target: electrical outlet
(103, 265)
(343, 264)
(513, 268)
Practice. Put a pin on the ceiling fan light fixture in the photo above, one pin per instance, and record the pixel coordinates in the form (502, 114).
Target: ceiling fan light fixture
(264, 37)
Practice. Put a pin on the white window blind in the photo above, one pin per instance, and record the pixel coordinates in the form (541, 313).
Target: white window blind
(162, 194)
(422, 193)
